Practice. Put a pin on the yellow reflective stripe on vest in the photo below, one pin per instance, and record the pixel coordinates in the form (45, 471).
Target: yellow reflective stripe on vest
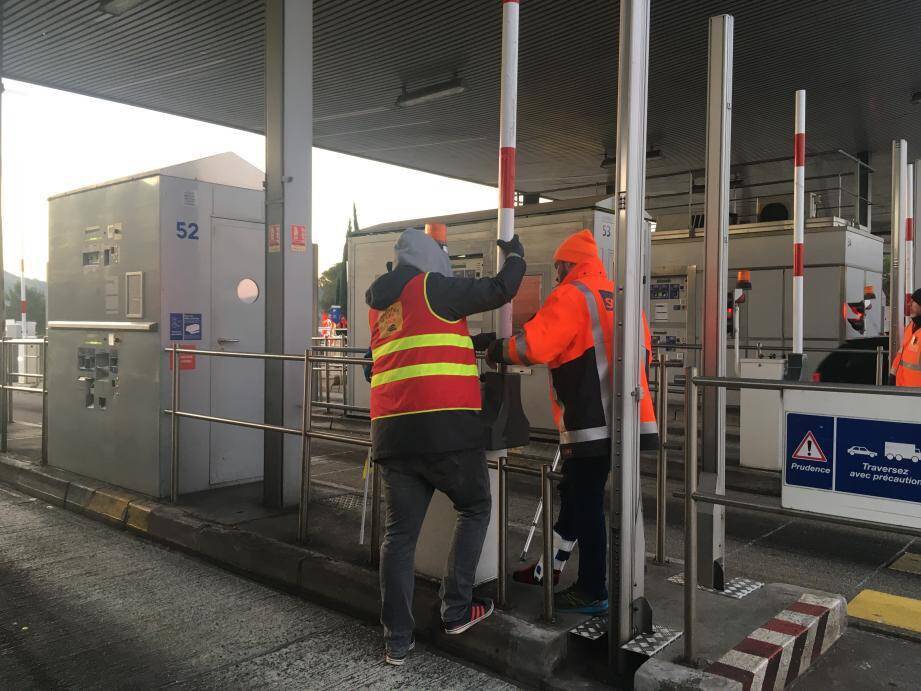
(422, 341)
(432, 369)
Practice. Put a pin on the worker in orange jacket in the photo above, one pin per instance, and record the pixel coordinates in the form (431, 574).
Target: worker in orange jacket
(906, 366)
(573, 333)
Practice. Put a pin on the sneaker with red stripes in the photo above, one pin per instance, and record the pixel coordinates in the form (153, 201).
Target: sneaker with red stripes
(526, 576)
(480, 608)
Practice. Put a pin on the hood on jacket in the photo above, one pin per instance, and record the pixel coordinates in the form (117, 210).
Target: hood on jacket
(580, 249)
(414, 252)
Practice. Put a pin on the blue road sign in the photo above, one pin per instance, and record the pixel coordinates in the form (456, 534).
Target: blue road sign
(879, 458)
(810, 450)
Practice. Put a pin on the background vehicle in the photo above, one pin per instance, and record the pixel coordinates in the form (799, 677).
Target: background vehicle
(848, 367)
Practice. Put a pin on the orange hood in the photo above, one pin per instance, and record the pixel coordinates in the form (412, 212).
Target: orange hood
(577, 248)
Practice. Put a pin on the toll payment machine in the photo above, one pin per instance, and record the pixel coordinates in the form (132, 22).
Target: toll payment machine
(172, 256)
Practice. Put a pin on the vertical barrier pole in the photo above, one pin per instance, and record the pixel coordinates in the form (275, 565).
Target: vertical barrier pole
(915, 213)
(630, 613)
(45, 401)
(795, 359)
(896, 245)
(508, 122)
(690, 512)
(662, 460)
(908, 261)
(502, 589)
(716, 247)
(4, 401)
(880, 370)
(546, 495)
(174, 428)
(374, 555)
(306, 418)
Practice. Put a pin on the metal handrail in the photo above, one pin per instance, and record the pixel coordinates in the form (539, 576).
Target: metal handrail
(7, 388)
(783, 349)
(691, 494)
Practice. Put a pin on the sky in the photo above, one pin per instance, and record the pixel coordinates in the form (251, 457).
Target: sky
(54, 141)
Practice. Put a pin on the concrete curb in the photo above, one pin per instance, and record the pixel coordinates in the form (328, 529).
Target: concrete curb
(782, 649)
(660, 675)
(504, 644)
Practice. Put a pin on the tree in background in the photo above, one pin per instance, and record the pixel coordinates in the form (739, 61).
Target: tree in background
(35, 306)
(333, 283)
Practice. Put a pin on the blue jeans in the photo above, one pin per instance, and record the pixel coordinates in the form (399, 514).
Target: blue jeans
(410, 483)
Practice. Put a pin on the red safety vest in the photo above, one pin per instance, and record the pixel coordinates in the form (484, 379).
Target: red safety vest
(422, 362)
(907, 364)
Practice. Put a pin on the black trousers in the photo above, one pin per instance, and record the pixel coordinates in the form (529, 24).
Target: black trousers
(582, 518)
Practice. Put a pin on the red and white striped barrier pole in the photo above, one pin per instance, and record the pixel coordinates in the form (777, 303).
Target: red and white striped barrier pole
(22, 296)
(508, 105)
(908, 261)
(799, 225)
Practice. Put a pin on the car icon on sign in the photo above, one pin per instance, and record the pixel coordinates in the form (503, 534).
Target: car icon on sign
(861, 451)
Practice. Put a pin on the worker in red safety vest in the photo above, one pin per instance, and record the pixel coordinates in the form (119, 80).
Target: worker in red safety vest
(426, 432)
(906, 366)
(573, 333)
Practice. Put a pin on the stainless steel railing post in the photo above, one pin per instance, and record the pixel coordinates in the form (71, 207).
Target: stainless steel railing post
(880, 368)
(690, 512)
(306, 424)
(4, 401)
(662, 459)
(502, 588)
(44, 366)
(174, 427)
(375, 542)
(546, 495)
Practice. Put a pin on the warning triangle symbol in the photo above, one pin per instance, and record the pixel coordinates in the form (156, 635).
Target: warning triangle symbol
(809, 450)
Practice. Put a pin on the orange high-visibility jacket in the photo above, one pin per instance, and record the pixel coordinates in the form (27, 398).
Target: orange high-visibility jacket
(907, 363)
(573, 333)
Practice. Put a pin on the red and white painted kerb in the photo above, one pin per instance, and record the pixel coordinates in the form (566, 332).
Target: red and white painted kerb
(782, 649)
(908, 258)
(799, 218)
(508, 104)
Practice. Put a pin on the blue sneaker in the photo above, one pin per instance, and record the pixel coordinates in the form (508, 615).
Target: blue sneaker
(572, 600)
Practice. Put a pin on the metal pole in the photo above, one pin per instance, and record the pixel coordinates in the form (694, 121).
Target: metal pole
(908, 260)
(538, 513)
(508, 120)
(375, 542)
(306, 417)
(690, 512)
(795, 361)
(546, 494)
(45, 401)
(716, 246)
(880, 370)
(630, 612)
(502, 589)
(4, 401)
(174, 427)
(915, 213)
(662, 460)
(896, 239)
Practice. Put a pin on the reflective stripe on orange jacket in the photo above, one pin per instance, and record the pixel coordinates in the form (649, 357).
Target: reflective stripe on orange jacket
(907, 364)
(572, 333)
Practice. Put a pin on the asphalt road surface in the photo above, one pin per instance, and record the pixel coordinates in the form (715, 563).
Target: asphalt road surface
(86, 606)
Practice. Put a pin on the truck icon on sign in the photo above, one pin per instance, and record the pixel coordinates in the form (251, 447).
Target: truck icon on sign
(898, 451)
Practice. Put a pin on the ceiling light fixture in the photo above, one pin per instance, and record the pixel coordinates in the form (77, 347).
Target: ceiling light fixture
(427, 94)
(118, 7)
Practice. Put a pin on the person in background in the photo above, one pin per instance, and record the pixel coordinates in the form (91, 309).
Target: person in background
(426, 432)
(906, 366)
(573, 334)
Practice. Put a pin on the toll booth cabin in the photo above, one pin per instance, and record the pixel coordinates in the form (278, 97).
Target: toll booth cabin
(841, 258)
(170, 256)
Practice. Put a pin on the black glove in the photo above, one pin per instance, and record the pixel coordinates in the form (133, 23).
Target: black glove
(481, 341)
(494, 353)
(512, 246)
(367, 368)
(891, 380)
